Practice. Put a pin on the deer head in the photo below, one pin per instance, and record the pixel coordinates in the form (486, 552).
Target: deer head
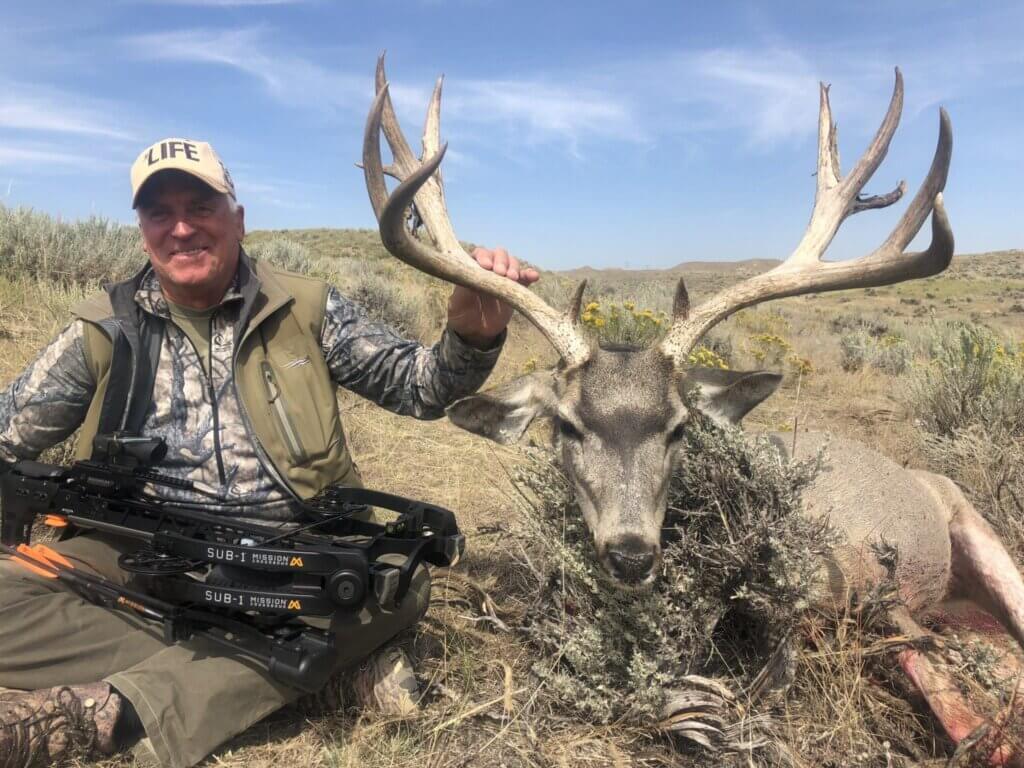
(618, 414)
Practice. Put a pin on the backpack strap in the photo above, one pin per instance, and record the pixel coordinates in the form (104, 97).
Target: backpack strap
(135, 339)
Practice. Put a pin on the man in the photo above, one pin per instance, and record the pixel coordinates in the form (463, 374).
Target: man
(236, 367)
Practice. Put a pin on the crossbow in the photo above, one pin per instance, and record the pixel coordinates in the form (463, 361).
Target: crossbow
(246, 586)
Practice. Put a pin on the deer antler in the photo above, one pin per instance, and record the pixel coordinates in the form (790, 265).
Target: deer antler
(836, 199)
(446, 259)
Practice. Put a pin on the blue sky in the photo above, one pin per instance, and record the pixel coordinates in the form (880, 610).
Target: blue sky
(603, 133)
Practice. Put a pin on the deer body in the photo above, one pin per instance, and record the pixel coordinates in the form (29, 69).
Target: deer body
(619, 414)
(876, 504)
(944, 549)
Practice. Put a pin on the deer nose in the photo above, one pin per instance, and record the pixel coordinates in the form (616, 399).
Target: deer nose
(631, 559)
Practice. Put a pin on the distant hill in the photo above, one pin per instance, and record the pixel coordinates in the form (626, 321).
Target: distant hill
(365, 243)
(1009, 264)
(685, 267)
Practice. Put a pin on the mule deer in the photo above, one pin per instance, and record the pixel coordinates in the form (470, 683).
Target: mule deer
(619, 413)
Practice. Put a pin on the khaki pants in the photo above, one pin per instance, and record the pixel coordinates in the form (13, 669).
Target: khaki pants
(190, 697)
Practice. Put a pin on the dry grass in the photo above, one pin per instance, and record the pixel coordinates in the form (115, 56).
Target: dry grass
(848, 705)
(483, 706)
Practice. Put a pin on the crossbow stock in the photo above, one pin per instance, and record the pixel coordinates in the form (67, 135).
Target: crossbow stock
(242, 585)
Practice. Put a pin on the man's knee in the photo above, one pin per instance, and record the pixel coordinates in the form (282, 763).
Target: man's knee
(419, 592)
(17, 585)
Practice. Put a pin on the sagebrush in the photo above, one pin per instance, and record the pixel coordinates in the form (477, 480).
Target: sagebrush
(35, 245)
(736, 544)
(968, 403)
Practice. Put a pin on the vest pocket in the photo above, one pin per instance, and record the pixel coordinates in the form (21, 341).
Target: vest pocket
(285, 425)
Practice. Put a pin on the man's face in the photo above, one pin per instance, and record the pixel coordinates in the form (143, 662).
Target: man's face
(192, 236)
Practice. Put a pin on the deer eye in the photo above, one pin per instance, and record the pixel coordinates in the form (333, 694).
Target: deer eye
(567, 430)
(677, 434)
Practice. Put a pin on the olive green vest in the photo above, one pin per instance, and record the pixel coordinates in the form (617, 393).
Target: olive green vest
(291, 410)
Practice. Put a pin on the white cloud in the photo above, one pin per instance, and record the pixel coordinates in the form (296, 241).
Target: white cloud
(541, 113)
(532, 109)
(764, 95)
(289, 79)
(769, 95)
(37, 109)
(35, 157)
(772, 94)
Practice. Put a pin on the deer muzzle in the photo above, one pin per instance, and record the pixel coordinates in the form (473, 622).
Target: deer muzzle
(631, 561)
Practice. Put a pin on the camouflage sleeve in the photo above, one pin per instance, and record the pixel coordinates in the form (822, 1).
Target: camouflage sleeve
(49, 400)
(398, 374)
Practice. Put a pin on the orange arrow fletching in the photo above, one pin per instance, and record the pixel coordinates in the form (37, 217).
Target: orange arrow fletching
(34, 553)
(53, 556)
(34, 568)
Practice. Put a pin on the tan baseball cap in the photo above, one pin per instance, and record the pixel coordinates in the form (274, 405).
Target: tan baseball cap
(196, 158)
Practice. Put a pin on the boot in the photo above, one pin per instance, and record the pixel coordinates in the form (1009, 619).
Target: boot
(52, 725)
(385, 682)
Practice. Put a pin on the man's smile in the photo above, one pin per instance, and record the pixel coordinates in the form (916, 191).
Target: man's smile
(189, 252)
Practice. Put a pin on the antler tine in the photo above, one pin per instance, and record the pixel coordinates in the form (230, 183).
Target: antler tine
(431, 203)
(576, 304)
(447, 259)
(931, 190)
(828, 145)
(836, 197)
(879, 147)
(432, 126)
(432, 136)
(804, 272)
(405, 160)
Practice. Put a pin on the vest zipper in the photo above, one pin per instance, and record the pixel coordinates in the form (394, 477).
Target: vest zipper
(243, 327)
(243, 411)
(213, 404)
(291, 436)
(261, 452)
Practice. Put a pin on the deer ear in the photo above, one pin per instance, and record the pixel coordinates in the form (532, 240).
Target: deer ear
(504, 413)
(728, 396)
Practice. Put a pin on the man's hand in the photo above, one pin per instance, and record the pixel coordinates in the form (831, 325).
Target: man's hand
(477, 317)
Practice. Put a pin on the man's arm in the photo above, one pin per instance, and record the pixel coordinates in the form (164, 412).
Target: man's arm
(49, 400)
(398, 374)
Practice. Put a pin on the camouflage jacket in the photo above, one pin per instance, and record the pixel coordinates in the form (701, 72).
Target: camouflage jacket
(199, 416)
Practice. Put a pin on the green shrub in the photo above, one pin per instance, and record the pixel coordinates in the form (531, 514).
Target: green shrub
(973, 378)
(968, 404)
(556, 290)
(36, 245)
(736, 545)
(889, 352)
(327, 244)
(841, 324)
(720, 347)
(854, 349)
(286, 254)
(990, 470)
(625, 323)
(387, 298)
